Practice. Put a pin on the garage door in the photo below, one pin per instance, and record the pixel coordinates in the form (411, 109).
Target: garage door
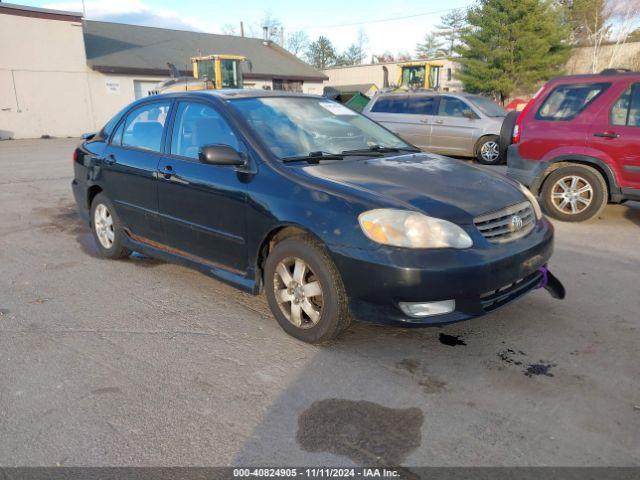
(141, 88)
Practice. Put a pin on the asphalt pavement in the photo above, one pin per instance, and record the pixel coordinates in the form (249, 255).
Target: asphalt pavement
(146, 363)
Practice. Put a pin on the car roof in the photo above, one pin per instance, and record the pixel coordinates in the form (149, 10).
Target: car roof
(232, 93)
(426, 93)
(604, 76)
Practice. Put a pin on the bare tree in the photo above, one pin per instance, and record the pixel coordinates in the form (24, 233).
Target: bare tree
(297, 42)
(229, 29)
(274, 27)
(625, 19)
(605, 22)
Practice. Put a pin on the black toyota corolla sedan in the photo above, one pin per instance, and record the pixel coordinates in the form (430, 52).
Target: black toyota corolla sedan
(332, 215)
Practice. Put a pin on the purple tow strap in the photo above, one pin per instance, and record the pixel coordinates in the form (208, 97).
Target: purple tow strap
(545, 278)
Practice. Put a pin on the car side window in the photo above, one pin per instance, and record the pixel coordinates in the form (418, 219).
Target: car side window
(197, 125)
(453, 107)
(420, 105)
(143, 127)
(626, 110)
(390, 104)
(567, 101)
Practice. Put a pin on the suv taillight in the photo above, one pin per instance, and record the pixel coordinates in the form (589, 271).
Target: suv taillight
(516, 132)
(75, 155)
(517, 128)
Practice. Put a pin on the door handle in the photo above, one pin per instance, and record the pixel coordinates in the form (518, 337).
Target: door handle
(109, 159)
(607, 134)
(439, 121)
(423, 120)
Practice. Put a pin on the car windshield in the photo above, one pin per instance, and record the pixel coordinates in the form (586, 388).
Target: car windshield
(298, 126)
(487, 106)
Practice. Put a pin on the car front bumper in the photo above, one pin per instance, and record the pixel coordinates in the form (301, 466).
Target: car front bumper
(527, 172)
(480, 279)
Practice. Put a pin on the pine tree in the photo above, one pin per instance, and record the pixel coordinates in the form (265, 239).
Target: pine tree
(451, 28)
(321, 53)
(431, 47)
(511, 45)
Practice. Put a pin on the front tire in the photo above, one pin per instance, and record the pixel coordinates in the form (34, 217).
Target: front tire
(488, 151)
(574, 193)
(107, 229)
(305, 291)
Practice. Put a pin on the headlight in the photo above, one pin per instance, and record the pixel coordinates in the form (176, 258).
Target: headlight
(533, 200)
(404, 228)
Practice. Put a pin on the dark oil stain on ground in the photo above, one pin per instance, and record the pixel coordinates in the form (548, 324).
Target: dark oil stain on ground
(451, 340)
(513, 357)
(507, 356)
(429, 383)
(541, 368)
(365, 432)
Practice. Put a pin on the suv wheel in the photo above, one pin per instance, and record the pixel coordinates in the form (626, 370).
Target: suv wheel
(574, 193)
(106, 228)
(488, 151)
(305, 291)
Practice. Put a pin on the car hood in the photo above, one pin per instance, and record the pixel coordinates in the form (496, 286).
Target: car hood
(436, 185)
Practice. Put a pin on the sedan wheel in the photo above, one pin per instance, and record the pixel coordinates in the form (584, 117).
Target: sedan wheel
(304, 290)
(298, 292)
(103, 224)
(107, 229)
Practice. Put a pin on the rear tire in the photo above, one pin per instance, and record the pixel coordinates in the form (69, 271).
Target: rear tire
(107, 229)
(488, 150)
(506, 132)
(305, 291)
(574, 193)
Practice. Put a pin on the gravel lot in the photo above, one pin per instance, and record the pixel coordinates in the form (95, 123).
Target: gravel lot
(140, 362)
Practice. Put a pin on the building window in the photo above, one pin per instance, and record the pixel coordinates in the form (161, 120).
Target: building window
(287, 85)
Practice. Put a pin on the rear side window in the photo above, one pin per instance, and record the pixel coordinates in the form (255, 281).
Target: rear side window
(143, 127)
(421, 105)
(390, 104)
(567, 101)
(414, 104)
(626, 111)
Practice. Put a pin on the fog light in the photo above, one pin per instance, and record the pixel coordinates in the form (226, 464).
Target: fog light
(427, 309)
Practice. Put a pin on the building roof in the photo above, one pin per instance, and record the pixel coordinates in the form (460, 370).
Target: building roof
(133, 49)
(35, 12)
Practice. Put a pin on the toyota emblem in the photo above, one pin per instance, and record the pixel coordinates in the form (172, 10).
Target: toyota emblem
(516, 223)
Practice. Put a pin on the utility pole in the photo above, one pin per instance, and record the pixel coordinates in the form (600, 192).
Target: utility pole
(241, 28)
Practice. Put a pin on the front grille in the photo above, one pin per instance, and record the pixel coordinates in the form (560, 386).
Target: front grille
(500, 227)
(496, 298)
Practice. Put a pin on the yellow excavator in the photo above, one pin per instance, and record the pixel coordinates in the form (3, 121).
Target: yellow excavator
(210, 72)
(419, 75)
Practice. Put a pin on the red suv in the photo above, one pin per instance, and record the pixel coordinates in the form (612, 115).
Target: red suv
(577, 144)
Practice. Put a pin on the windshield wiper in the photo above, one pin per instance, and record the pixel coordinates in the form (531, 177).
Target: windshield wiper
(313, 157)
(381, 149)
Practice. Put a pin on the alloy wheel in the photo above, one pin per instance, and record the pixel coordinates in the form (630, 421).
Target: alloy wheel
(571, 194)
(103, 224)
(298, 292)
(490, 151)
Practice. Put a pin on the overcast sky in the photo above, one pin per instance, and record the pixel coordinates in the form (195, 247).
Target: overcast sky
(391, 25)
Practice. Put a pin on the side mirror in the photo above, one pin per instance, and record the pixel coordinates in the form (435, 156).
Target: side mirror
(220, 155)
(469, 114)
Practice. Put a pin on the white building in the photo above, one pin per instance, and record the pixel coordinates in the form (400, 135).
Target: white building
(62, 76)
